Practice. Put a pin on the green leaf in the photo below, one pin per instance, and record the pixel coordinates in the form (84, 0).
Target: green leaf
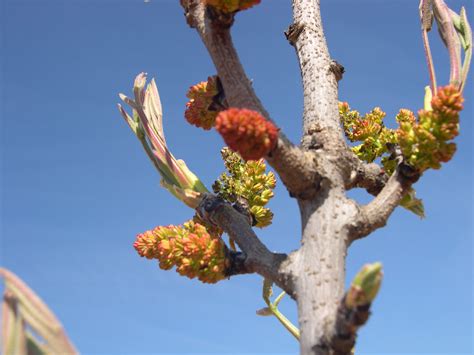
(413, 204)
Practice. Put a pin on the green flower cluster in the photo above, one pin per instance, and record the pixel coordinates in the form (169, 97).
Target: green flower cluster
(368, 129)
(425, 143)
(247, 182)
(376, 139)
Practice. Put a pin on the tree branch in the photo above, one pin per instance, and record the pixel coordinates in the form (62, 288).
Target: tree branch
(320, 115)
(369, 176)
(347, 323)
(295, 167)
(375, 214)
(256, 258)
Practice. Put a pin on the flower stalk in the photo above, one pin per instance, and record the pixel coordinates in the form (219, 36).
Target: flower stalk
(455, 32)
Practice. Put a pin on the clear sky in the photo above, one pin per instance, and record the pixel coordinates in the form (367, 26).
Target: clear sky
(77, 187)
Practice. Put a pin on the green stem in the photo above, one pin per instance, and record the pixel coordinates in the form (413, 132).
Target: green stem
(285, 321)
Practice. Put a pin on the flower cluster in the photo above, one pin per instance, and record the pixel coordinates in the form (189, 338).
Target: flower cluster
(368, 129)
(229, 6)
(200, 98)
(190, 248)
(247, 181)
(425, 143)
(247, 132)
(376, 138)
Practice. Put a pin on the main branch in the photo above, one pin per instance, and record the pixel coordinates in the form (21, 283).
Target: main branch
(295, 167)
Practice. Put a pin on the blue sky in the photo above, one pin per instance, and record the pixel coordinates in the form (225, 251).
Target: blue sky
(76, 186)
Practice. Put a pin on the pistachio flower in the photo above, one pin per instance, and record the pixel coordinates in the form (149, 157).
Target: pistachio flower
(247, 182)
(425, 143)
(247, 132)
(190, 248)
(376, 139)
(200, 99)
(368, 129)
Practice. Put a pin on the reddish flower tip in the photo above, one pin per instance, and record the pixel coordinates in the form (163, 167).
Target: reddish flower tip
(448, 101)
(247, 132)
(200, 98)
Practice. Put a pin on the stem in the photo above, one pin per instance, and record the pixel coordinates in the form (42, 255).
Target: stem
(285, 321)
(426, 16)
(429, 62)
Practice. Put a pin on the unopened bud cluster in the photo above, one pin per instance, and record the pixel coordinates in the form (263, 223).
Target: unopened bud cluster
(229, 6)
(190, 248)
(247, 181)
(200, 98)
(247, 132)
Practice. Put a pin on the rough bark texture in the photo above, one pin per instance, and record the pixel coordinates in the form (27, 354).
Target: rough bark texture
(317, 174)
(255, 256)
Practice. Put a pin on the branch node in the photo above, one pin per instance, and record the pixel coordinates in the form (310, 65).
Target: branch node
(409, 173)
(219, 19)
(189, 8)
(237, 265)
(208, 206)
(347, 323)
(337, 69)
(293, 32)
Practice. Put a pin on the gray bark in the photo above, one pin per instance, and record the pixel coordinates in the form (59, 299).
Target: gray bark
(318, 173)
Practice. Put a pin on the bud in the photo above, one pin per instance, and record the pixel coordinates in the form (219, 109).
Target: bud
(365, 286)
(405, 115)
(247, 132)
(427, 99)
(146, 123)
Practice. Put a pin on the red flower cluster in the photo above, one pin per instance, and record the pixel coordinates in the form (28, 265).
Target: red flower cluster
(247, 132)
(448, 101)
(200, 98)
(229, 6)
(190, 248)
